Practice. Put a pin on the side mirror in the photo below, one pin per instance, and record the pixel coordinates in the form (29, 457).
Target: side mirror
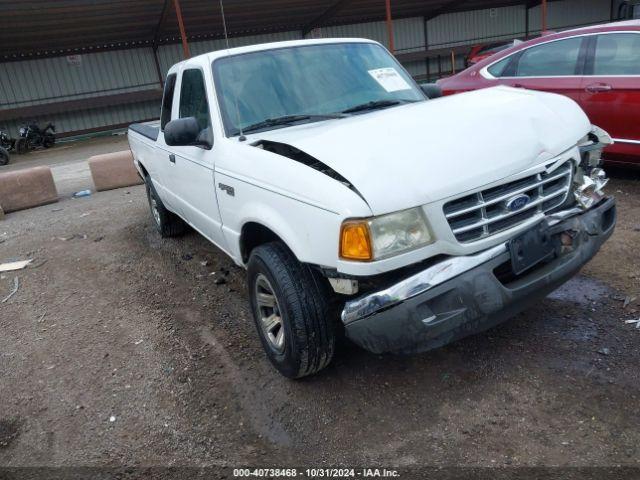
(431, 90)
(185, 132)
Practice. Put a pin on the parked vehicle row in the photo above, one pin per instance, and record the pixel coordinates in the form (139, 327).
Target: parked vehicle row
(30, 136)
(358, 204)
(598, 67)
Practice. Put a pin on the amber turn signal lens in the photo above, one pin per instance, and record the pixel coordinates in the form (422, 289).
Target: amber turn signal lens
(355, 243)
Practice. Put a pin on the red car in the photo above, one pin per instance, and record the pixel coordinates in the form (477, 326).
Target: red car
(598, 67)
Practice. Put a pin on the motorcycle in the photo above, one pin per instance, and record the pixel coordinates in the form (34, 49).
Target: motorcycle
(6, 141)
(32, 136)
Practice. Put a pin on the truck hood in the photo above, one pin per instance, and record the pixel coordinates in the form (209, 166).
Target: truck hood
(419, 153)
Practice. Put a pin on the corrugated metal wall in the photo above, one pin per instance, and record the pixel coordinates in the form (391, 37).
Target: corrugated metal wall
(57, 79)
(51, 80)
(569, 13)
(408, 36)
(171, 54)
(97, 118)
(476, 26)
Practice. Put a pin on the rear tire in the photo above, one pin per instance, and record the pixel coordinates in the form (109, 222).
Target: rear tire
(22, 146)
(167, 223)
(281, 289)
(4, 157)
(49, 141)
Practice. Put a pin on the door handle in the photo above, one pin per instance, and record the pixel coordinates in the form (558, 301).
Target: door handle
(172, 158)
(518, 85)
(598, 87)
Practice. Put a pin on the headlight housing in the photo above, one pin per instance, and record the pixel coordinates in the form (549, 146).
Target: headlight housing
(589, 191)
(591, 147)
(384, 236)
(590, 179)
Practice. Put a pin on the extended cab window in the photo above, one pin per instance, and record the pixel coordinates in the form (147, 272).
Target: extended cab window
(167, 100)
(617, 54)
(193, 97)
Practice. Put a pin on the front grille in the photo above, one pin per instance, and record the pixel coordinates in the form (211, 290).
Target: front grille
(485, 213)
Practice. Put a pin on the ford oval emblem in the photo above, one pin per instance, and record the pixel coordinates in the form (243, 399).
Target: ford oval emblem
(518, 202)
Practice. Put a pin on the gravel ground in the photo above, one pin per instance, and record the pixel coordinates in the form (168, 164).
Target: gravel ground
(119, 348)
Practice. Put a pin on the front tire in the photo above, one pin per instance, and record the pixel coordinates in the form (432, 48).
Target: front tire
(4, 157)
(290, 305)
(167, 223)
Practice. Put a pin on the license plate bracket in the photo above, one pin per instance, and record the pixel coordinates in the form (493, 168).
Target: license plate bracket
(531, 248)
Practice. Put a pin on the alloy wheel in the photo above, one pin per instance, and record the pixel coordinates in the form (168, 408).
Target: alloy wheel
(269, 314)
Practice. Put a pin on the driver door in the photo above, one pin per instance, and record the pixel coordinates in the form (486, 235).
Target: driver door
(190, 169)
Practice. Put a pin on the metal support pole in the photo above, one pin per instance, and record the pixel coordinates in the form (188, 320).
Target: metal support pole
(544, 15)
(427, 59)
(390, 26)
(157, 63)
(183, 34)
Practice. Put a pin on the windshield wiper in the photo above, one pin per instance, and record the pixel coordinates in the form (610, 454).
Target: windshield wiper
(286, 120)
(375, 105)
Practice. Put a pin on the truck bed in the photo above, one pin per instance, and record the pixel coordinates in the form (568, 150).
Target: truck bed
(149, 131)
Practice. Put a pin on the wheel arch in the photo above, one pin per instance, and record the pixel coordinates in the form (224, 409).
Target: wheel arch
(143, 171)
(256, 233)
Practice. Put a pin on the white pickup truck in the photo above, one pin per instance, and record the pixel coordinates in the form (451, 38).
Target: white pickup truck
(360, 206)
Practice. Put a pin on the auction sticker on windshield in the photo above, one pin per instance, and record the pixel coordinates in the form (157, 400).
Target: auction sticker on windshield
(389, 79)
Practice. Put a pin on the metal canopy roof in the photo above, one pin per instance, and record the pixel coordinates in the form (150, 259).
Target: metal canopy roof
(32, 28)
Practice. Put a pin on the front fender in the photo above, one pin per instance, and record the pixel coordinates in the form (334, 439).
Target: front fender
(309, 231)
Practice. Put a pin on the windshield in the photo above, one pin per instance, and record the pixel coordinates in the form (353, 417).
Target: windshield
(308, 83)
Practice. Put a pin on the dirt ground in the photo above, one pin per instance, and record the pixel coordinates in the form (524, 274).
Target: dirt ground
(119, 349)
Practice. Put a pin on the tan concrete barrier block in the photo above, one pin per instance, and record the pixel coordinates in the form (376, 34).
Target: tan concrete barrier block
(113, 170)
(27, 188)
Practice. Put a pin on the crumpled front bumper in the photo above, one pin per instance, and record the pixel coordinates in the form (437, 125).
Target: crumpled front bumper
(461, 296)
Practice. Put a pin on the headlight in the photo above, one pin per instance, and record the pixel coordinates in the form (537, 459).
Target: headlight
(589, 191)
(384, 236)
(590, 179)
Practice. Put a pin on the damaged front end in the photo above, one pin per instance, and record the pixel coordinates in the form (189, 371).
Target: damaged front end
(461, 295)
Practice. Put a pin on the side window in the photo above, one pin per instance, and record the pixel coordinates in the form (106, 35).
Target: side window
(167, 100)
(550, 59)
(617, 54)
(498, 69)
(193, 97)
